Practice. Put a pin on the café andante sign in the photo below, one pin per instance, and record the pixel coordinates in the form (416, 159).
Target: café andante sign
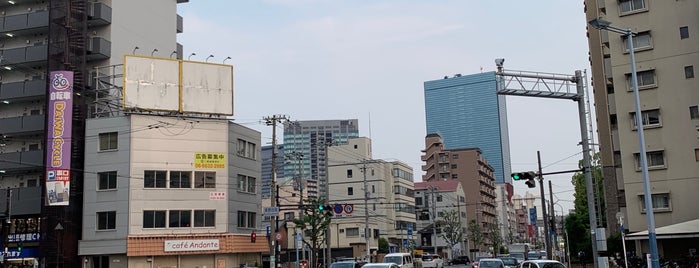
(191, 245)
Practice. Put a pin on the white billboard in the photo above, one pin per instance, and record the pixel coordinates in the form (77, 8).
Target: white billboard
(163, 84)
(207, 88)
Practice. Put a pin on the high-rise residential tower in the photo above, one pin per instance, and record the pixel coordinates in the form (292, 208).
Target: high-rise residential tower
(309, 140)
(68, 35)
(666, 50)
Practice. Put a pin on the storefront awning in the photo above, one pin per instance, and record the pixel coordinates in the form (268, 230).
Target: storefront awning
(687, 229)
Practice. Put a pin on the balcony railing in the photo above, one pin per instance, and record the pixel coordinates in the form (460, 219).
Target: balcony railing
(24, 55)
(99, 14)
(18, 161)
(22, 124)
(27, 21)
(30, 202)
(31, 89)
(99, 49)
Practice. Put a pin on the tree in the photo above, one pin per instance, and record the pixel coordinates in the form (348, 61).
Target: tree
(578, 222)
(383, 245)
(452, 233)
(475, 234)
(314, 223)
(494, 237)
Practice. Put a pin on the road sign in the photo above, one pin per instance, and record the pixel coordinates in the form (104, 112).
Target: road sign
(405, 243)
(268, 230)
(338, 209)
(349, 208)
(270, 211)
(278, 236)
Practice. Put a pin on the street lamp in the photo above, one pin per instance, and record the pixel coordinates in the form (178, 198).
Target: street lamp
(606, 25)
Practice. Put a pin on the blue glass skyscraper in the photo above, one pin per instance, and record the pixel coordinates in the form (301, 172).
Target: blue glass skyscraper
(467, 112)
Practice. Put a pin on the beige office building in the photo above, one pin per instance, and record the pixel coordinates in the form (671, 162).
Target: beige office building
(666, 49)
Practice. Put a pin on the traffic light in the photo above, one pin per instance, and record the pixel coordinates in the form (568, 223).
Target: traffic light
(253, 237)
(19, 247)
(531, 183)
(322, 207)
(520, 176)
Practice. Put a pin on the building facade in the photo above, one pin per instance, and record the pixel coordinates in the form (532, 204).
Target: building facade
(148, 203)
(467, 113)
(380, 192)
(72, 35)
(665, 55)
(310, 140)
(476, 175)
(266, 156)
(432, 200)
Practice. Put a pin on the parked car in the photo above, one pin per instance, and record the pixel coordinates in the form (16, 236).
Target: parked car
(474, 264)
(542, 264)
(347, 264)
(381, 265)
(432, 261)
(510, 262)
(404, 260)
(491, 263)
(461, 260)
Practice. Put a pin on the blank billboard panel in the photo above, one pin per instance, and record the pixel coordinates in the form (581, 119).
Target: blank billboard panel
(151, 83)
(207, 88)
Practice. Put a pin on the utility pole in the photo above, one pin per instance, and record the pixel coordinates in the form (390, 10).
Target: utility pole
(273, 121)
(6, 226)
(553, 219)
(547, 236)
(434, 216)
(326, 144)
(366, 212)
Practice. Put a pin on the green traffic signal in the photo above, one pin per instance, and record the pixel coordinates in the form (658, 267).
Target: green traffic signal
(321, 207)
(516, 176)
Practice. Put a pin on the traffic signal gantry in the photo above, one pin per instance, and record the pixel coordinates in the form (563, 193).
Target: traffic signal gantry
(529, 176)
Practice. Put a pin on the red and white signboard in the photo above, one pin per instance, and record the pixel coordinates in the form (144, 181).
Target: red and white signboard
(217, 195)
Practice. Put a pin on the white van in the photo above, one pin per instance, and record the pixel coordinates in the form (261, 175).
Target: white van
(404, 260)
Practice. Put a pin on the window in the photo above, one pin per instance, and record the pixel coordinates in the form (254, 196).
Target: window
(655, 159)
(107, 180)
(658, 201)
(649, 118)
(684, 32)
(246, 184)
(373, 189)
(154, 219)
(646, 79)
(694, 112)
(154, 178)
(696, 154)
(180, 218)
(689, 71)
(288, 216)
(455, 156)
(180, 179)
(453, 166)
(352, 232)
(350, 191)
(204, 179)
(246, 149)
(106, 220)
(418, 201)
(108, 141)
(628, 6)
(439, 198)
(641, 41)
(246, 219)
(204, 218)
(349, 173)
(33, 147)
(100, 261)
(454, 176)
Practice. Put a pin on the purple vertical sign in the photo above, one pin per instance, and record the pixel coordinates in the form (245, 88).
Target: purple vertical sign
(60, 124)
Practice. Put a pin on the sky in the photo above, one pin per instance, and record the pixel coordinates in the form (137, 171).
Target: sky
(368, 60)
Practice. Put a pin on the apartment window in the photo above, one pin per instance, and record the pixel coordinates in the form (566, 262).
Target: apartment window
(684, 32)
(641, 41)
(418, 201)
(180, 179)
(246, 149)
(454, 176)
(453, 166)
(108, 141)
(655, 159)
(650, 118)
(455, 156)
(439, 198)
(696, 154)
(33, 147)
(154, 178)
(628, 6)
(373, 189)
(154, 219)
(350, 191)
(646, 79)
(352, 232)
(349, 173)
(660, 202)
(288, 216)
(204, 218)
(204, 179)
(107, 180)
(106, 220)
(246, 219)
(689, 71)
(694, 112)
(246, 184)
(180, 218)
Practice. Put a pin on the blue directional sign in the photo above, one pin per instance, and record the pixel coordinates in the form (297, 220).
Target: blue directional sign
(268, 230)
(338, 209)
(405, 243)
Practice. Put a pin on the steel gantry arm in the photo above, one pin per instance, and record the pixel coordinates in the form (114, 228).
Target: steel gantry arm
(537, 84)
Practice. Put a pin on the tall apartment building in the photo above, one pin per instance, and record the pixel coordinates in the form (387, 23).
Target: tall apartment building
(468, 166)
(44, 36)
(467, 113)
(387, 188)
(666, 51)
(266, 178)
(310, 139)
(433, 199)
